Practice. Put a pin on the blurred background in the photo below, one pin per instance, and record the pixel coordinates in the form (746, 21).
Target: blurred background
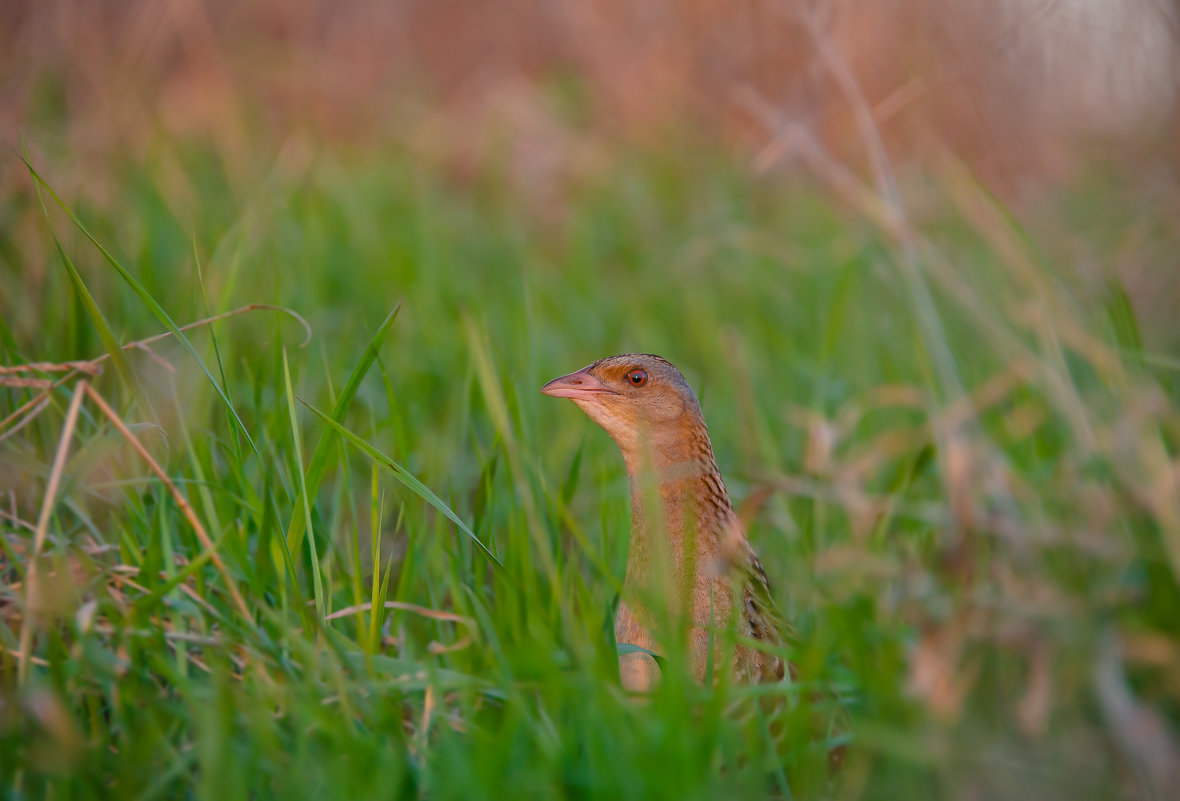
(919, 257)
(1031, 95)
(1015, 86)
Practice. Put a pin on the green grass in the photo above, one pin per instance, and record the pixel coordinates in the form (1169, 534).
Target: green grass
(981, 553)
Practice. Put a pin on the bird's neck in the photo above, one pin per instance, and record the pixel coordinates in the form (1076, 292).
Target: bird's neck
(680, 511)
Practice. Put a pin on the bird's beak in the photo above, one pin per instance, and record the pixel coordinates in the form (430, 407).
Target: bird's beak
(579, 386)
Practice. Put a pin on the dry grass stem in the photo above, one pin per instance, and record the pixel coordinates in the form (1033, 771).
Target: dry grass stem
(181, 502)
(94, 366)
(42, 530)
(432, 647)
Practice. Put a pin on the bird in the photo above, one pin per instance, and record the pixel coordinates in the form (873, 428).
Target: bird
(689, 561)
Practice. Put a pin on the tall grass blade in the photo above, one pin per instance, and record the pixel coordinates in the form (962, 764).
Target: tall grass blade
(406, 478)
(322, 452)
(96, 316)
(297, 440)
(153, 306)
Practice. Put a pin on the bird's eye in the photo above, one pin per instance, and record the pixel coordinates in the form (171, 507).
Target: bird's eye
(637, 378)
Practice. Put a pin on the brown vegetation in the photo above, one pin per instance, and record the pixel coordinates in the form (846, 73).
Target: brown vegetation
(1011, 85)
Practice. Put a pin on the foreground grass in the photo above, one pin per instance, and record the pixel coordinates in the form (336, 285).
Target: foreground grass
(966, 456)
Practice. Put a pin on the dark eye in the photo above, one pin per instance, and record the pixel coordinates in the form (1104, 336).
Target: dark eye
(637, 378)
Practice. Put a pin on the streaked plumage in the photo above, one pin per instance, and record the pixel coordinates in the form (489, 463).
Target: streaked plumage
(685, 534)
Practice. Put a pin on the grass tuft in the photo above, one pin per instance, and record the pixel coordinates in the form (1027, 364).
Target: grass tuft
(956, 451)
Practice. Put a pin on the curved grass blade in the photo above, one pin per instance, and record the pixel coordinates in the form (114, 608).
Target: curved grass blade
(96, 316)
(319, 457)
(153, 305)
(625, 648)
(405, 477)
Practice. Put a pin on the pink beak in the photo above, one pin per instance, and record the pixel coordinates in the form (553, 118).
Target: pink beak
(579, 386)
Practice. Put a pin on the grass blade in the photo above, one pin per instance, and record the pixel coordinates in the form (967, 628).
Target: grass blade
(319, 457)
(316, 579)
(96, 316)
(405, 477)
(152, 304)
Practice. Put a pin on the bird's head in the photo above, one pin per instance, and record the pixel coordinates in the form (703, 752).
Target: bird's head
(636, 397)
